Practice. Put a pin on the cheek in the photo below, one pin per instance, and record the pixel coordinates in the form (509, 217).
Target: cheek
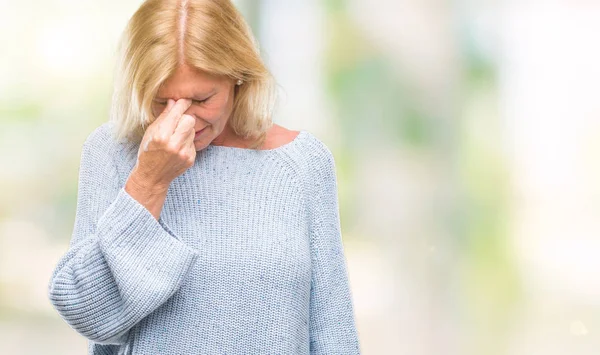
(214, 111)
(210, 114)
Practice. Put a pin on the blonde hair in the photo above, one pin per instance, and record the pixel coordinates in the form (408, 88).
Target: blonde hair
(210, 35)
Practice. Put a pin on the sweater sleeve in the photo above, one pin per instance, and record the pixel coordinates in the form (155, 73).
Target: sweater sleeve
(332, 324)
(122, 263)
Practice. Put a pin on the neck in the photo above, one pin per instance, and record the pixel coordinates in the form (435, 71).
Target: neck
(228, 138)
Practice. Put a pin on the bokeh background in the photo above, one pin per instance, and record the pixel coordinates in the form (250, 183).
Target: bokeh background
(467, 141)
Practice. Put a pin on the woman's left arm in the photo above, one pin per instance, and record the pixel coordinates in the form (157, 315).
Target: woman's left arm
(332, 324)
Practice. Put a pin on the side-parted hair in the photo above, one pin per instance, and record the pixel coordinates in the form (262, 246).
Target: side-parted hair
(210, 35)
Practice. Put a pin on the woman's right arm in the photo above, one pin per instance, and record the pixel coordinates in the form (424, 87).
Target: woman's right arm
(121, 263)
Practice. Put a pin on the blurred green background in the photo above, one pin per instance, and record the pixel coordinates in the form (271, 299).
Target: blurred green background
(466, 136)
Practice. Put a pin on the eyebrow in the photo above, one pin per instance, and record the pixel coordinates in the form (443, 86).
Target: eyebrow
(195, 97)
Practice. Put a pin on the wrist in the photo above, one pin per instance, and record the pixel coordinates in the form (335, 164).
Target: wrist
(138, 183)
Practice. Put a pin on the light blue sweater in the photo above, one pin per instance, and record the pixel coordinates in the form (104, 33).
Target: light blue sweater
(246, 257)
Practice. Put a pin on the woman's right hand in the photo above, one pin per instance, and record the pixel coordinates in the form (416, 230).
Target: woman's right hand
(167, 148)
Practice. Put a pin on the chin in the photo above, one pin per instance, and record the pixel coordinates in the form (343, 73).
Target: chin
(199, 146)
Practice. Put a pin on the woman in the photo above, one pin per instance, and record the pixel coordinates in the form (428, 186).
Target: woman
(201, 227)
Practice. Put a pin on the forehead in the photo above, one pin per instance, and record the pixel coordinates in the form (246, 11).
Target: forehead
(187, 83)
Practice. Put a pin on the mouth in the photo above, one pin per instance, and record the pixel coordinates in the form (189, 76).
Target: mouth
(199, 132)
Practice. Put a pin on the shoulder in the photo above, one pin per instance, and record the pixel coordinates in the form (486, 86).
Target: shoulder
(318, 160)
(320, 176)
(318, 154)
(100, 145)
(312, 157)
(100, 136)
(103, 138)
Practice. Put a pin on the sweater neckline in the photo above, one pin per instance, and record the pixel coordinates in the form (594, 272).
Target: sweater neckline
(287, 145)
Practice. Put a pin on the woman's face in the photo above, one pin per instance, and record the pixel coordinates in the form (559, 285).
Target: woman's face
(211, 106)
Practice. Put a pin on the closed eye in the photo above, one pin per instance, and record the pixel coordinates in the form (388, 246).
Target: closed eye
(203, 101)
(193, 101)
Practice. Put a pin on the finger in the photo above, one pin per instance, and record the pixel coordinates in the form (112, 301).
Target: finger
(172, 117)
(189, 142)
(184, 128)
(190, 139)
(170, 104)
(167, 109)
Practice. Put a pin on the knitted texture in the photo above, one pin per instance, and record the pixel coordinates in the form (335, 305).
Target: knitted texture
(246, 257)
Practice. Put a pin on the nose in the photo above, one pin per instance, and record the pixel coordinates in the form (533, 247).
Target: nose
(197, 125)
(190, 112)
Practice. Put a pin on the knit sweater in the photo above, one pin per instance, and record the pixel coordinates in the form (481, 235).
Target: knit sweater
(245, 258)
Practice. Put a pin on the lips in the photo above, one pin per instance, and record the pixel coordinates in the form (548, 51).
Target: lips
(198, 132)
